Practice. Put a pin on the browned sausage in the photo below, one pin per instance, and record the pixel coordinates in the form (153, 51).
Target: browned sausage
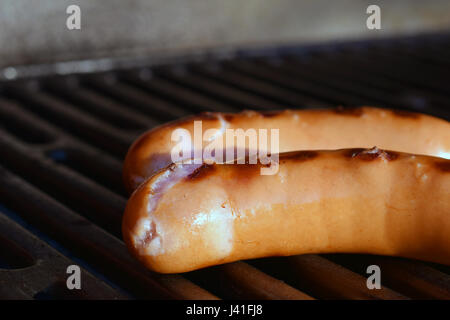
(187, 217)
(363, 127)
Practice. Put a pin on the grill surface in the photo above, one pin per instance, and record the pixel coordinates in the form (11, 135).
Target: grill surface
(63, 138)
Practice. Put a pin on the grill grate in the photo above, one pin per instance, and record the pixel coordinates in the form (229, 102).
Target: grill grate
(63, 138)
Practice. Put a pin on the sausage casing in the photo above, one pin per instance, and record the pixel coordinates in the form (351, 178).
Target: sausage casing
(372, 201)
(339, 128)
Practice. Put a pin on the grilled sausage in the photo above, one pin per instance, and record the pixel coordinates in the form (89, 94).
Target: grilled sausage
(338, 128)
(372, 201)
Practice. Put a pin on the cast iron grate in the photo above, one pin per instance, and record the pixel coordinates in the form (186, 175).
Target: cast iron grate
(62, 140)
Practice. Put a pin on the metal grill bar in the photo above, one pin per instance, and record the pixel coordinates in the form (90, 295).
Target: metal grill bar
(240, 280)
(237, 80)
(92, 243)
(44, 271)
(413, 278)
(72, 120)
(218, 91)
(99, 106)
(389, 70)
(134, 98)
(395, 92)
(178, 94)
(330, 96)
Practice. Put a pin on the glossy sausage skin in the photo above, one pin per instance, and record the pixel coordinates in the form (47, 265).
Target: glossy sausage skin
(353, 200)
(339, 128)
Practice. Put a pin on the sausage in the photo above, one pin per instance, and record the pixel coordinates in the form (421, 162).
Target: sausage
(339, 128)
(190, 216)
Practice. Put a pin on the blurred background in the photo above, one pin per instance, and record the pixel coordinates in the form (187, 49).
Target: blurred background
(31, 33)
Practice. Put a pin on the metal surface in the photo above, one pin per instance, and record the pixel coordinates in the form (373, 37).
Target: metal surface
(33, 32)
(63, 138)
